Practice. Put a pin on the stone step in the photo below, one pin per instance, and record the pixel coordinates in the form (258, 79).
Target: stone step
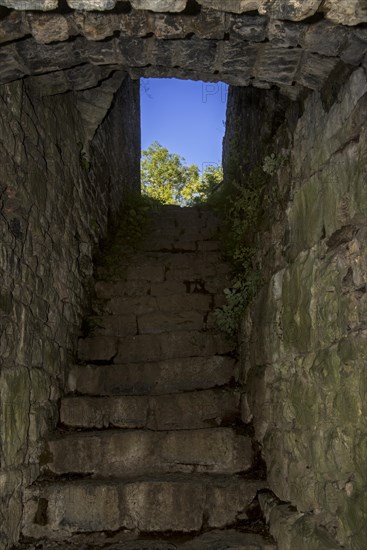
(185, 231)
(181, 504)
(158, 322)
(179, 244)
(154, 322)
(107, 290)
(191, 410)
(161, 377)
(194, 222)
(176, 232)
(199, 265)
(227, 540)
(178, 215)
(116, 453)
(158, 267)
(213, 540)
(152, 347)
(166, 303)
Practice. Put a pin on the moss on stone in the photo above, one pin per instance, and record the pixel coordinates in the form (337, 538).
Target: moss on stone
(15, 406)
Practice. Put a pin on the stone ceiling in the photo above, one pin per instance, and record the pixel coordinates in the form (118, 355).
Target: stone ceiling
(77, 44)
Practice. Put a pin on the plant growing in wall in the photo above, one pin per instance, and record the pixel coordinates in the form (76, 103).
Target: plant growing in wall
(242, 207)
(272, 163)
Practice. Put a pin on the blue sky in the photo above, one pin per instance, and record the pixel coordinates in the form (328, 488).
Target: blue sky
(185, 116)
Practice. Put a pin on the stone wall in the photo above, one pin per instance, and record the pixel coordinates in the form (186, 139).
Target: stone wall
(259, 43)
(304, 339)
(253, 118)
(57, 189)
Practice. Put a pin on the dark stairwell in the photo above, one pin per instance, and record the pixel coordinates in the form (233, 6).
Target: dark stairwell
(69, 150)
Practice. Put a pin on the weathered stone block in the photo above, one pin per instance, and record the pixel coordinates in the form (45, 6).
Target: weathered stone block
(193, 410)
(306, 216)
(11, 502)
(246, 27)
(141, 506)
(276, 64)
(240, 56)
(345, 189)
(152, 270)
(97, 26)
(295, 10)
(207, 24)
(12, 27)
(324, 38)
(337, 125)
(293, 529)
(190, 53)
(285, 33)
(115, 325)
(346, 12)
(149, 347)
(90, 5)
(165, 302)
(185, 224)
(315, 71)
(159, 5)
(355, 49)
(161, 377)
(162, 54)
(235, 6)
(195, 301)
(296, 297)
(189, 410)
(86, 76)
(43, 5)
(241, 79)
(49, 84)
(294, 92)
(125, 453)
(199, 263)
(46, 29)
(97, 348)
(323, 199)
(11, 65)
(135, 53)
(43, 58)
(209, 245)
(70, 507)
(136, 24)
(15, 408)
(166, 26)
(160, 244)
(231, 539)
(99, 412)
(94, 104)
(107, 53)
(134, 305)
(132, 505)
(159, 322)
(119, 288)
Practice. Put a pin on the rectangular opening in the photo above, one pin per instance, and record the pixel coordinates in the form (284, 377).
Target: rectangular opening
(183, 124)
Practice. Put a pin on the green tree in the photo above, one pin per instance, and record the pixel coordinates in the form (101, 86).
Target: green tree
(211, 178)
(166, 177)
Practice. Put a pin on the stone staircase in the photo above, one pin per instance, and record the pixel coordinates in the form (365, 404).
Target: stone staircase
(150, 452)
